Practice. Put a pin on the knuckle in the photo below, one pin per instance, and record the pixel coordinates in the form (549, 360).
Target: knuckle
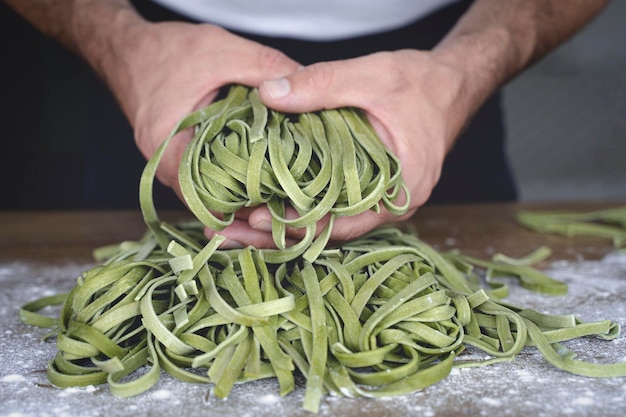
(211, 30)
(145, 146)
(347, 229)
(320, 76)
(352, 234)
(270, 58)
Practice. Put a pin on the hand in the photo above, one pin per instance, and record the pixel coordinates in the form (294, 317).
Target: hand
(172, 69)
(417, 103)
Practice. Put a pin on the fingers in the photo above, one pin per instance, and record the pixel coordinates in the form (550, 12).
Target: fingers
(167, 172)
(370, 83)
(319, 86)
(193, 62)
(349, 228)
(344, 228)
(239, 60)
(256, 230)
(260, 219)
(239, 234)
(264, 63)
(253, 227)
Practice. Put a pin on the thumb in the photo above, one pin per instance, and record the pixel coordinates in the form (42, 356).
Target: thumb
(323, 85)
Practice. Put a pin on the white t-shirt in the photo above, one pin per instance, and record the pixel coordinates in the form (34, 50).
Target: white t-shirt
(307, 19)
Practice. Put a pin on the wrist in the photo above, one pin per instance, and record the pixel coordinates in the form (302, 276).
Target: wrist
(486, 60)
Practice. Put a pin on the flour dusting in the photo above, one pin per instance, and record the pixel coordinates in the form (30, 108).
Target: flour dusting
(585, 401)
(162, 394)
(13, 378)
(597, 291)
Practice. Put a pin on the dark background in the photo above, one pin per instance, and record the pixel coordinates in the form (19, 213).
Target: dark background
(54, 110)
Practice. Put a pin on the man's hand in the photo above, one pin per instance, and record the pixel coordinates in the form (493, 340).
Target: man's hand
(175, 68)
(419, 101)
(417, 105)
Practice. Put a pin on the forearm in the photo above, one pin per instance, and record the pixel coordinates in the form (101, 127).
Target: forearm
(96, 30)
(72, 22)
(51, 18)
(496, 39)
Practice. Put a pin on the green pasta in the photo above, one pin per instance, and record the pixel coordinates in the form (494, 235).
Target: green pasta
(383, 315)
(242, 155)
(606, 223)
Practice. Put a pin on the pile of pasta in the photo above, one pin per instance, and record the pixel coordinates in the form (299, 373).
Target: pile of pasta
(383, 315)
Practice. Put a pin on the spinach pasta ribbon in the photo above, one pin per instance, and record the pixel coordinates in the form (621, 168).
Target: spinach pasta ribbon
(383, 315)
(242, 154)
(607, 223)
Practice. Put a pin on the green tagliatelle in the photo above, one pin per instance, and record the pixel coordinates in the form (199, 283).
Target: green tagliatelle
(242, 155)
(606, 223)
(383, 315)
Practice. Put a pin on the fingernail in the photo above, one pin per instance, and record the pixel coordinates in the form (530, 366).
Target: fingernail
(277, 88)
(231, 244)
(263, 226)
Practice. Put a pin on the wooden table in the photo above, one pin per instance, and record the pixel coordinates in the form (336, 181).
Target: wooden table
(43, 252)
(475, 229)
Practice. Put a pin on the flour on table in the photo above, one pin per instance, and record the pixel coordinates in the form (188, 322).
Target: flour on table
(528, 383)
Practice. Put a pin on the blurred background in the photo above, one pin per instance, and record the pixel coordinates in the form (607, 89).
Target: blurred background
(565, 117)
